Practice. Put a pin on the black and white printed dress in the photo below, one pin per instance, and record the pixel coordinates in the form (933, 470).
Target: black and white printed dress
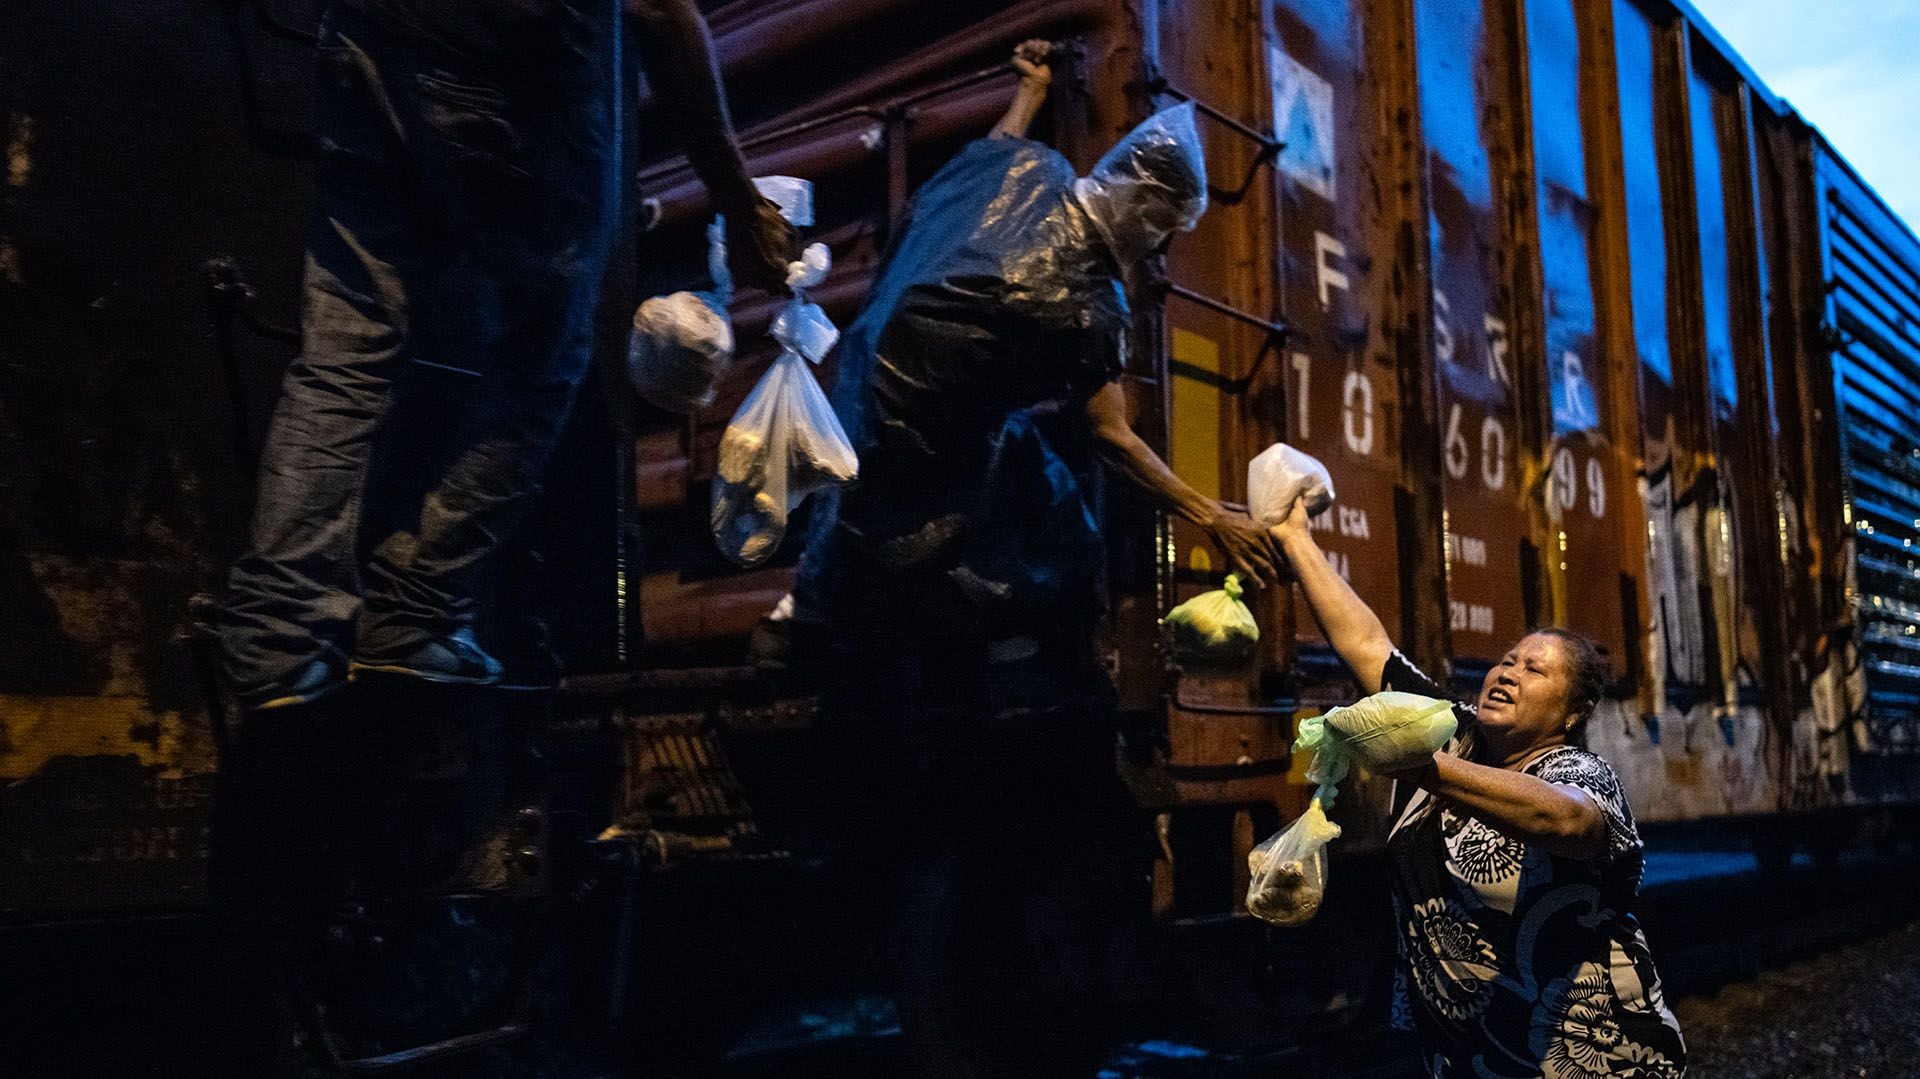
(1517, 963)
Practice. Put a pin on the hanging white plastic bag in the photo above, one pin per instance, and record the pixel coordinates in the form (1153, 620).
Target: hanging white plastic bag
(1387, 732)
(782, 445)
(1214, 626)
(784, 442)
(1279, 476)
(1289, 870)
(682, 343)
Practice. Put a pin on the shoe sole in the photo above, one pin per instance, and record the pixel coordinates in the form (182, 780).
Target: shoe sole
(294, 700)
(357, 669)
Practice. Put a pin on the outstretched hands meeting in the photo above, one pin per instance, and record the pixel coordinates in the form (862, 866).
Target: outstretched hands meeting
(1253, 552)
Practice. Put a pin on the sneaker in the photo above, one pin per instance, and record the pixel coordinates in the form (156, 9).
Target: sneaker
(455, 659)
(308, 683)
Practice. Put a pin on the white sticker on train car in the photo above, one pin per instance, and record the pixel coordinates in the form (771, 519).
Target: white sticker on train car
(1303, 120)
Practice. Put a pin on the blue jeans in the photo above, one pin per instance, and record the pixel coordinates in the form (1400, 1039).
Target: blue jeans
(426, 167)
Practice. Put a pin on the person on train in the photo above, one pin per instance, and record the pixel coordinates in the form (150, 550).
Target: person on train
(950, 592)
(1514, 859)
(454, 136)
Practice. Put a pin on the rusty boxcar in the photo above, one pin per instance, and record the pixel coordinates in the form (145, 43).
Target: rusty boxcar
(1591, 329)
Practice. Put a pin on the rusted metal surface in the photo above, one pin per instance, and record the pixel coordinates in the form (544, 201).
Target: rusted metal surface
(120, 494)
(1582, 467)
(1219, 351)
(1587, 326)
(1740, 420)
(1659, 318)
(1467, 84)
(1341, 220)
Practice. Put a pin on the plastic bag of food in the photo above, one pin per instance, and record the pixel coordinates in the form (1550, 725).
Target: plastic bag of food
(1290, 869)
(784, 442)
(1214, 626)
(682, 343)
(1279, 476)
(1387, 732)
(782, 445)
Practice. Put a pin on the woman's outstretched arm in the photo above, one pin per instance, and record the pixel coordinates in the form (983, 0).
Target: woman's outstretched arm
(1349, 624)
(1559, 817)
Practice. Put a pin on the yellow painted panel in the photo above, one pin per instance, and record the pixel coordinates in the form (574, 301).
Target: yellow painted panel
(38, 729)
(1195, 436)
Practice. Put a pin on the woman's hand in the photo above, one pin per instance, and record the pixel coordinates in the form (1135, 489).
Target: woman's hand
(1295, 524)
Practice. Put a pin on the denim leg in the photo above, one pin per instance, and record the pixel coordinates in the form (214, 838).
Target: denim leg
(291, 598)
(548, 263)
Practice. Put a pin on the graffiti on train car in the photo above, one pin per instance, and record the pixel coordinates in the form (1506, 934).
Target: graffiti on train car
(1722, 185)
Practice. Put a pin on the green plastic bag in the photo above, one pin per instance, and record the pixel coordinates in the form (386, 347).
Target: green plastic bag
(1387, 732)
(1214, 626)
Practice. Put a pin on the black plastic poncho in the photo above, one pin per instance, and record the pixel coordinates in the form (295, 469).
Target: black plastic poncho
(998, 300)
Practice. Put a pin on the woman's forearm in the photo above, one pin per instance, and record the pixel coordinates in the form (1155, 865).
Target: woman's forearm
(1563, 820)
(1350, 625)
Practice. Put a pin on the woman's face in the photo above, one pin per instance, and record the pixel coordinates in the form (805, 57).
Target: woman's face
(1526, 698)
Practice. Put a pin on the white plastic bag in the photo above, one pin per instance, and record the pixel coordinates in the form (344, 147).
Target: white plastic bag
(782, 445)
(1290, 869)
(1279, 476)
(784, 442)
(682, 343)
(1385, 732)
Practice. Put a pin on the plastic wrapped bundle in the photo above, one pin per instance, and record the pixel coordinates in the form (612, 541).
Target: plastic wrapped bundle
(1387, 732)
(1214, 627)
(1000, 292)
(1289, 870)
(682, 343)
(1150, 185)
(781, 446)
(1281, 475)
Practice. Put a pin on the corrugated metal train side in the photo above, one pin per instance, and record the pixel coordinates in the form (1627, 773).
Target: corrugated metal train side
(1591, 329)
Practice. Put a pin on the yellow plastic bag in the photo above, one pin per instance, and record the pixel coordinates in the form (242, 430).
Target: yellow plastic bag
(1214, 626)
(1387, 732)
